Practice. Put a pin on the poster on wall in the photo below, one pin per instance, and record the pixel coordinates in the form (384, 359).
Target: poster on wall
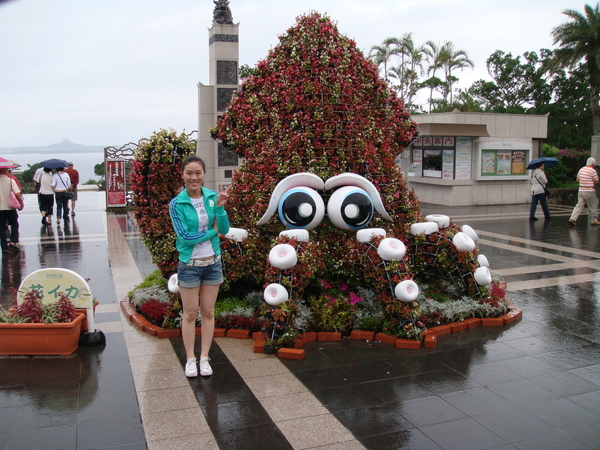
(488, 163)
(518, 162)
(116, 191)
(448, 164)
(504, 163)
(416, 168)
(463, 158)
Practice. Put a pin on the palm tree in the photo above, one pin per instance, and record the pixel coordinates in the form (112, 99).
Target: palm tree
(381, 54)
(433, 56)
(580, 40)
(410, 68)
(453, 59)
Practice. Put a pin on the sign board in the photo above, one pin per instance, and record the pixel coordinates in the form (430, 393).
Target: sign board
(50, 282)
(116, 189)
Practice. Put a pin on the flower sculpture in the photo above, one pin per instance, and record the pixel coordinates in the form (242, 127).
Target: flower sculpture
(319, 133)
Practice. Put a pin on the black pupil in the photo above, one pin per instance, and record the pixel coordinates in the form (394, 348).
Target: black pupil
(362, 204)
(293, 207)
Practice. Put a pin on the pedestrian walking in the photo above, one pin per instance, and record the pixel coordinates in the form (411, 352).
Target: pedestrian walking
(587, 179)
(8, 213)
(539, 181)
(74, 176)
(61, 183)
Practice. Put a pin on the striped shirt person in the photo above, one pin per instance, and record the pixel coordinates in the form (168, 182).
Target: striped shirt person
(587, 177)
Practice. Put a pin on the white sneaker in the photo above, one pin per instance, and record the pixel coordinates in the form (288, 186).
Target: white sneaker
(191, 369)
(205, 369)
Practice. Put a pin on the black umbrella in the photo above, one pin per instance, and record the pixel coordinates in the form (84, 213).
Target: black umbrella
(548, 161)
(54, 163)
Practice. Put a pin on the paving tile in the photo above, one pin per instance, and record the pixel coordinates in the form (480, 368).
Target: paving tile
(409, 439)
(203, 441)
(268, 386)
(429, 410)
(174, 424)
(57, 437)
(166, 399)
(514, 424)
(477, 400)
(257, 437)
(375, 420)
(293, 406)
(462, 433)
(301, 432)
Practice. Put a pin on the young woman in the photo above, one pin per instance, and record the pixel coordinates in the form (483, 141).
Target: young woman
(198, 216)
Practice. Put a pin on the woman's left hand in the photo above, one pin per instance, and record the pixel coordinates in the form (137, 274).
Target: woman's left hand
(222, 198)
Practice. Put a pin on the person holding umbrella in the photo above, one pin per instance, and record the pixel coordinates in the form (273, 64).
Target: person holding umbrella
(538, 192)
(9, 215)
(539, 181)
(587, 179)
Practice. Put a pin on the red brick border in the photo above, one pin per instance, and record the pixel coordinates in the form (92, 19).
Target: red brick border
(429, 336)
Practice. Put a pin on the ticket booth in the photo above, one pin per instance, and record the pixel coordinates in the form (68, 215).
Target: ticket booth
(465, 159)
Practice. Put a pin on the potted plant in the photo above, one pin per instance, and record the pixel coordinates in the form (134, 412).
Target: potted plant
(33, 328)
(288, 339)
(269, 347)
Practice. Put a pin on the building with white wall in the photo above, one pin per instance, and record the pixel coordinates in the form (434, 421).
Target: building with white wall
(464, 159)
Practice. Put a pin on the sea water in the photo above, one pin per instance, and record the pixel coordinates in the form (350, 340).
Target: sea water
(82, 162)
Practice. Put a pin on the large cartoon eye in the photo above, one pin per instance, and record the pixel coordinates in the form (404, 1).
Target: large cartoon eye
(350, 207)
(301, 207)
(302, 210)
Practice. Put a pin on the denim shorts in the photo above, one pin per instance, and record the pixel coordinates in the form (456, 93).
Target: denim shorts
(191, 277)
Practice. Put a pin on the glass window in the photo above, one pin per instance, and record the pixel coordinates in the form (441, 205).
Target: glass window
(432, 163)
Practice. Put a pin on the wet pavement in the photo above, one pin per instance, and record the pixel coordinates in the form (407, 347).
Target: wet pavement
(532, 384)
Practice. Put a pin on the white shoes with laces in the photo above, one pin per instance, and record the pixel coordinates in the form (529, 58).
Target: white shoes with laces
(205, 369)
(191, 369)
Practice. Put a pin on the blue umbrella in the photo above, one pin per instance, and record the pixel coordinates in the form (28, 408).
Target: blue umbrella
(54, 163)
(548, 161)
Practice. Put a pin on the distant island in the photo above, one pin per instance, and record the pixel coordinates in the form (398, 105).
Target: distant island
(66, 146)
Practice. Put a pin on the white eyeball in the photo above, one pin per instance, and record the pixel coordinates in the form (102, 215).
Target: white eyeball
(462, 241)
(301, 208)
(483, 261)
(300, 235)
(275, 294)
(442, 220)
(236, 234)
(423, 228)
(172, 284)
(470, 232)
(350, 208)
(365, 235)
(283, 256)
(483, 276)
(391, 249)
(407, 291)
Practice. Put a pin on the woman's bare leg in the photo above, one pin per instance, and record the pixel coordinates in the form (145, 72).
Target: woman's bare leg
(208, 298)
(189, 300)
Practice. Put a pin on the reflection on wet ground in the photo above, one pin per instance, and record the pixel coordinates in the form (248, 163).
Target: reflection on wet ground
(532, 384)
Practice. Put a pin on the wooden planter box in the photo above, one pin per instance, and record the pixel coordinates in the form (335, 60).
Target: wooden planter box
(40, 338)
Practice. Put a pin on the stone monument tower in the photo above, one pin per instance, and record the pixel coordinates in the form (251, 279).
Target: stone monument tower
(214, 97)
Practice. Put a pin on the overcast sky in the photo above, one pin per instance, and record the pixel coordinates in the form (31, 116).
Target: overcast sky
(108, 72)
